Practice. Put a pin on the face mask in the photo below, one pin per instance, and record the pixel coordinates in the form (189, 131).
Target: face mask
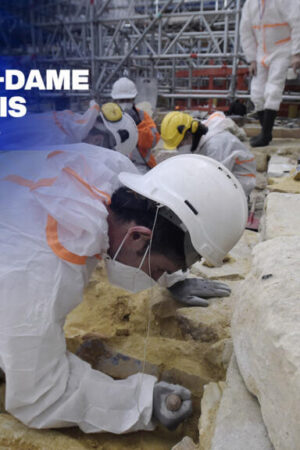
(125, 105)
(133, 279)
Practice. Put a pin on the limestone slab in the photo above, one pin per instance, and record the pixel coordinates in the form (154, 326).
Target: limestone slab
(282, 216)
(239, 424)
(210, 403)
(285, 184)
(279, 166)
(278, 132)
(266, 336)
(186, 444)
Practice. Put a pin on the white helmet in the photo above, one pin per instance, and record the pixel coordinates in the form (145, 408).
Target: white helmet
(204, 194)
(123, 88)
(122, 126)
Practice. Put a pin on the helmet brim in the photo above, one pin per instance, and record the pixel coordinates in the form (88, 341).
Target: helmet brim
(135, 181)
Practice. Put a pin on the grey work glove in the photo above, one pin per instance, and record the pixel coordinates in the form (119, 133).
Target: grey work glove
(171, 419)
(194, 291)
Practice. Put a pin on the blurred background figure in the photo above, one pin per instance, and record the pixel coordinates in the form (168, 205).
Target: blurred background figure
(270, 37)
(210, 138)
(124, 92)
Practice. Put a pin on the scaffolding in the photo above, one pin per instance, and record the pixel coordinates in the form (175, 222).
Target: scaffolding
(189, 48)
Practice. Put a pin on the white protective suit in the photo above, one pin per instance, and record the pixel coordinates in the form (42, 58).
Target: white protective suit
(49, 128)
(223, 146)
(53, 222)
(270, 34)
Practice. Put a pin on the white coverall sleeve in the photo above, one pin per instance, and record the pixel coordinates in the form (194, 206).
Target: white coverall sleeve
(290, 10)
(248, 40)
(46, 385)
(78, 125)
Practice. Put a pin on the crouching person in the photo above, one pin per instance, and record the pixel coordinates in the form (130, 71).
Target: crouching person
(60, 211)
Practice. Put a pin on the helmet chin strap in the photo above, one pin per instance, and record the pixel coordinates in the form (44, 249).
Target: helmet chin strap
(135, 229)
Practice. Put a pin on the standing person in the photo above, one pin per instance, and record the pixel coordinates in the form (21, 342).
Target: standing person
(61, 210)
(270, 37)
(210, 138)
(124, 92)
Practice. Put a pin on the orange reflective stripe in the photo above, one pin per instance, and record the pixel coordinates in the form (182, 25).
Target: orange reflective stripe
(239, 161)
(57, 247)
(96, 107)
(80, 121)
(256, 27)
(216, 114)
(152, 162)
(19, 180)
(28, 183)
(54, 153)
(71, 172)
(272, 25)
(58, 124)
(43, 182)
(105, 194)
(263, 62)
(282, 41)
(246, 175)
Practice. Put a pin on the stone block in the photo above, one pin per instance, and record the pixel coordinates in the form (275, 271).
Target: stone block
(266, 336)
(186, 444)
(238, 424)
(286, 184)
(278, 132)
(210, 403)
(282, 217)
(261, 159)
(279, 166)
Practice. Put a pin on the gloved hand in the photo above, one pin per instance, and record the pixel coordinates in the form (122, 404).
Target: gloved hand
(253, 69)
(167, 417)
(194, 291)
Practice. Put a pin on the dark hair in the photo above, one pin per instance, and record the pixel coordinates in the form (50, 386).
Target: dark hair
(201, 130)
(168, 239)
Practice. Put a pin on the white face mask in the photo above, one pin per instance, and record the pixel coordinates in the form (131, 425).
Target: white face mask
(125, 105)
(133, 279)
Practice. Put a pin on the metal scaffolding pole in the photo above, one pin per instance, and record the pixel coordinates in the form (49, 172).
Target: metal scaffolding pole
(188, 46)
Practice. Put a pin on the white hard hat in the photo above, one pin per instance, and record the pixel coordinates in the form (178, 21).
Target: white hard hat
(124, 131)
(123, 88)
(205, 196)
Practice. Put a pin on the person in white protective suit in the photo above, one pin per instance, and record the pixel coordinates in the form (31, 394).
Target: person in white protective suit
(106, 126)
(62, 210)
(210, 138)
(114, 129)
(124, 92)
(270, 37)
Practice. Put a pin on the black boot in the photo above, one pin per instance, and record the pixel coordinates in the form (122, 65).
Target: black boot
(265, 137)
(260, 116)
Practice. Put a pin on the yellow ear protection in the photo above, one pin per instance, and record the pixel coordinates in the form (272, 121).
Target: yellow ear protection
(194, 126)
(111, 112)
